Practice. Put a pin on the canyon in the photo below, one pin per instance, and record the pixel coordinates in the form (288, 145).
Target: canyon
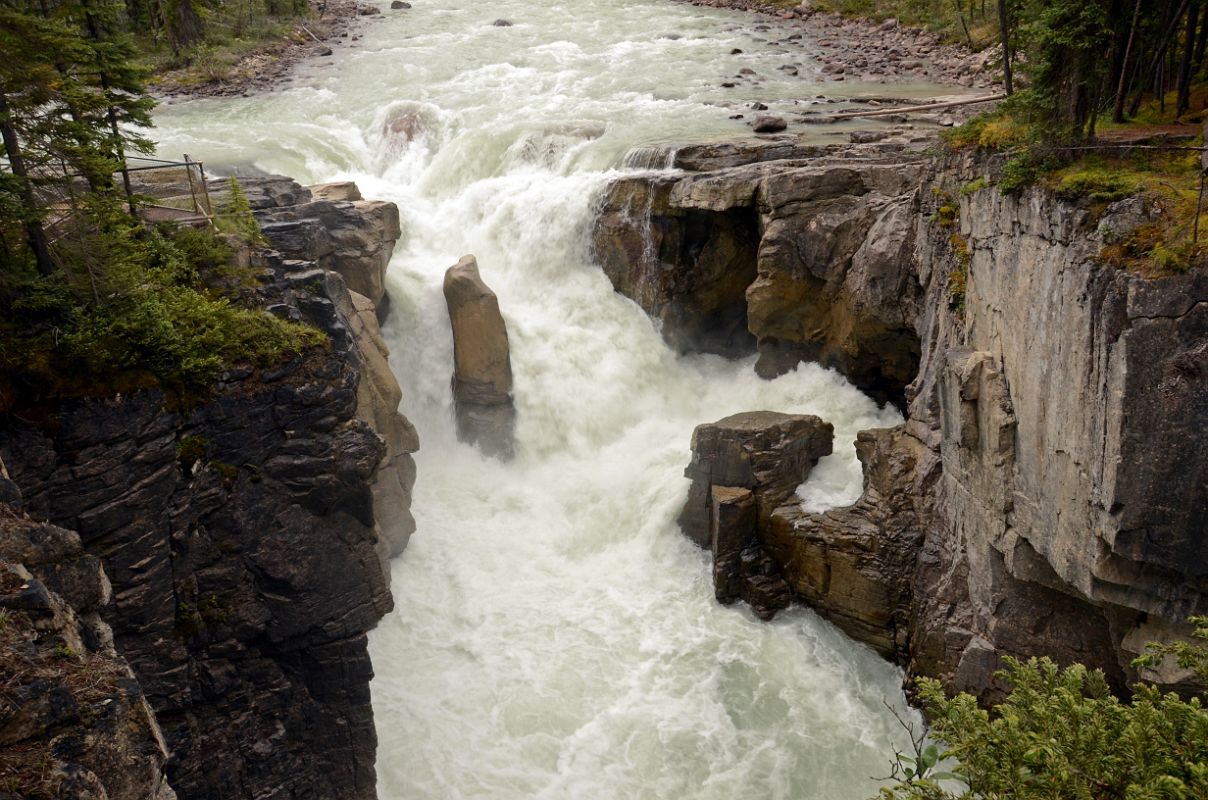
(912, 423)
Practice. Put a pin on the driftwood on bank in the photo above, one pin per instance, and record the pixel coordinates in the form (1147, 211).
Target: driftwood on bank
(885, 112)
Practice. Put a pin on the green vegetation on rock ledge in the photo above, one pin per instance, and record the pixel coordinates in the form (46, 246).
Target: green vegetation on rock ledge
(1061, 733)
(93, 300)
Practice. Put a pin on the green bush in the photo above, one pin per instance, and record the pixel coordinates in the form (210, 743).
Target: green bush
(1061, 733)
(130, 307)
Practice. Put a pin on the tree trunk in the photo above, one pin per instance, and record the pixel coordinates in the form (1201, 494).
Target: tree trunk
(1004, 34)
(1122, 85)
(1184, 97)
(16, 162)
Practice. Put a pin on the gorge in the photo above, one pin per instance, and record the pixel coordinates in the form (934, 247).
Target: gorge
(322, 597)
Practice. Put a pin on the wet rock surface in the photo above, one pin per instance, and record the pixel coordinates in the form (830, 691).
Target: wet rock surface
(743, 468)
(244, 543)
(329, 224)
(797, 254)
(482, 367)
(1046, 494)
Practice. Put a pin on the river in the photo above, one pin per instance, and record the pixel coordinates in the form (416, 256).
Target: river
(555, 636)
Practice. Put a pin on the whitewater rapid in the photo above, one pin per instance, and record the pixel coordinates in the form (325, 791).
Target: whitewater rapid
(554, 635)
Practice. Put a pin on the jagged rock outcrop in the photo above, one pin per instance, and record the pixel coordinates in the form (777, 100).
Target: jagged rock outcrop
(855, 565)
(482, 366)
(329, 224)
(1047, 493)
(743, 468)
(73, 718)
(332, 225)
(775, 255)
(244, 543)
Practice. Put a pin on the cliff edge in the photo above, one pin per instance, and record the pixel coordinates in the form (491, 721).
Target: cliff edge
(246, 537)
(1048, 492)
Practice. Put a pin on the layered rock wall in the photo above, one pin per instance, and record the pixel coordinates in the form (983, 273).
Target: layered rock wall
(743, 468)
(246, 539)
(1047, 493)
(73, 718)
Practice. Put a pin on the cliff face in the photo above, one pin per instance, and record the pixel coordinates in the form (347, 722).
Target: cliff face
(243, 543)
(1047, 493)
(73, 718)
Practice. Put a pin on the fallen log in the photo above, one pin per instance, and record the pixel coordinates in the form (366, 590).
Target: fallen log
(886, 112)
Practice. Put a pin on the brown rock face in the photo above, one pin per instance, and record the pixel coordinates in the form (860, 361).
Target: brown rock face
(330, 225)
(854, 565)
(744, 467)
(1048, 493)
(482, 367)
(760, 248)
(685, 266)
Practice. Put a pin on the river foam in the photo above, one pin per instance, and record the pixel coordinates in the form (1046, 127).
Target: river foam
(555, 635)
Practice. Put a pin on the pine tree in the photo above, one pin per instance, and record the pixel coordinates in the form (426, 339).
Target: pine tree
(70, 95)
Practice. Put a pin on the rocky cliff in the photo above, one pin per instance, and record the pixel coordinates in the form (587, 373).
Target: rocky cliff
(243, 537)
(73, 718)
(1047, 493)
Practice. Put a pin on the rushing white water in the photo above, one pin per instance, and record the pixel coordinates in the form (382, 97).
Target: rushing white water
(555, 636)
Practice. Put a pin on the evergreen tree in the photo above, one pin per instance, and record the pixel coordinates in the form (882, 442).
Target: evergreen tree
(70, 94)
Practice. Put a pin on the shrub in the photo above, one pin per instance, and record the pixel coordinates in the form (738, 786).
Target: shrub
(130, 308)
(1061, 733)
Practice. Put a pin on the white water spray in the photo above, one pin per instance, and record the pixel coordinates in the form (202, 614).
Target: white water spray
(555, 635)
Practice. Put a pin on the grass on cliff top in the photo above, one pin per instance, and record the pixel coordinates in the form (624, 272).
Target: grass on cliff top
(1115, 168)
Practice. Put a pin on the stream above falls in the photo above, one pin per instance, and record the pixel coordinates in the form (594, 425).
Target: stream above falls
(554, 635)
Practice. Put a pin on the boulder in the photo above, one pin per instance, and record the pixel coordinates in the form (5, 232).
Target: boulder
(339, 190)
(482, 368)
(770, 124)
(743, 468)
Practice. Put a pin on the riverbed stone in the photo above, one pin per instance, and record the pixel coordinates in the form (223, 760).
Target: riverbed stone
(769, 124)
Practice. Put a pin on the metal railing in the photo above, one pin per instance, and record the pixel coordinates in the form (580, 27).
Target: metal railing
(172, 191)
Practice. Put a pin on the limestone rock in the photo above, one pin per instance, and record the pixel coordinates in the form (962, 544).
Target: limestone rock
(340, 190)
(1048, 492)
(687, 266)
(378, 399)
(331, 225)
(803, 257)
(482, 369)
(744, 467)
(764, 124)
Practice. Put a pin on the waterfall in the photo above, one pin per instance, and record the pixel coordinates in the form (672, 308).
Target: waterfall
(554, 635)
